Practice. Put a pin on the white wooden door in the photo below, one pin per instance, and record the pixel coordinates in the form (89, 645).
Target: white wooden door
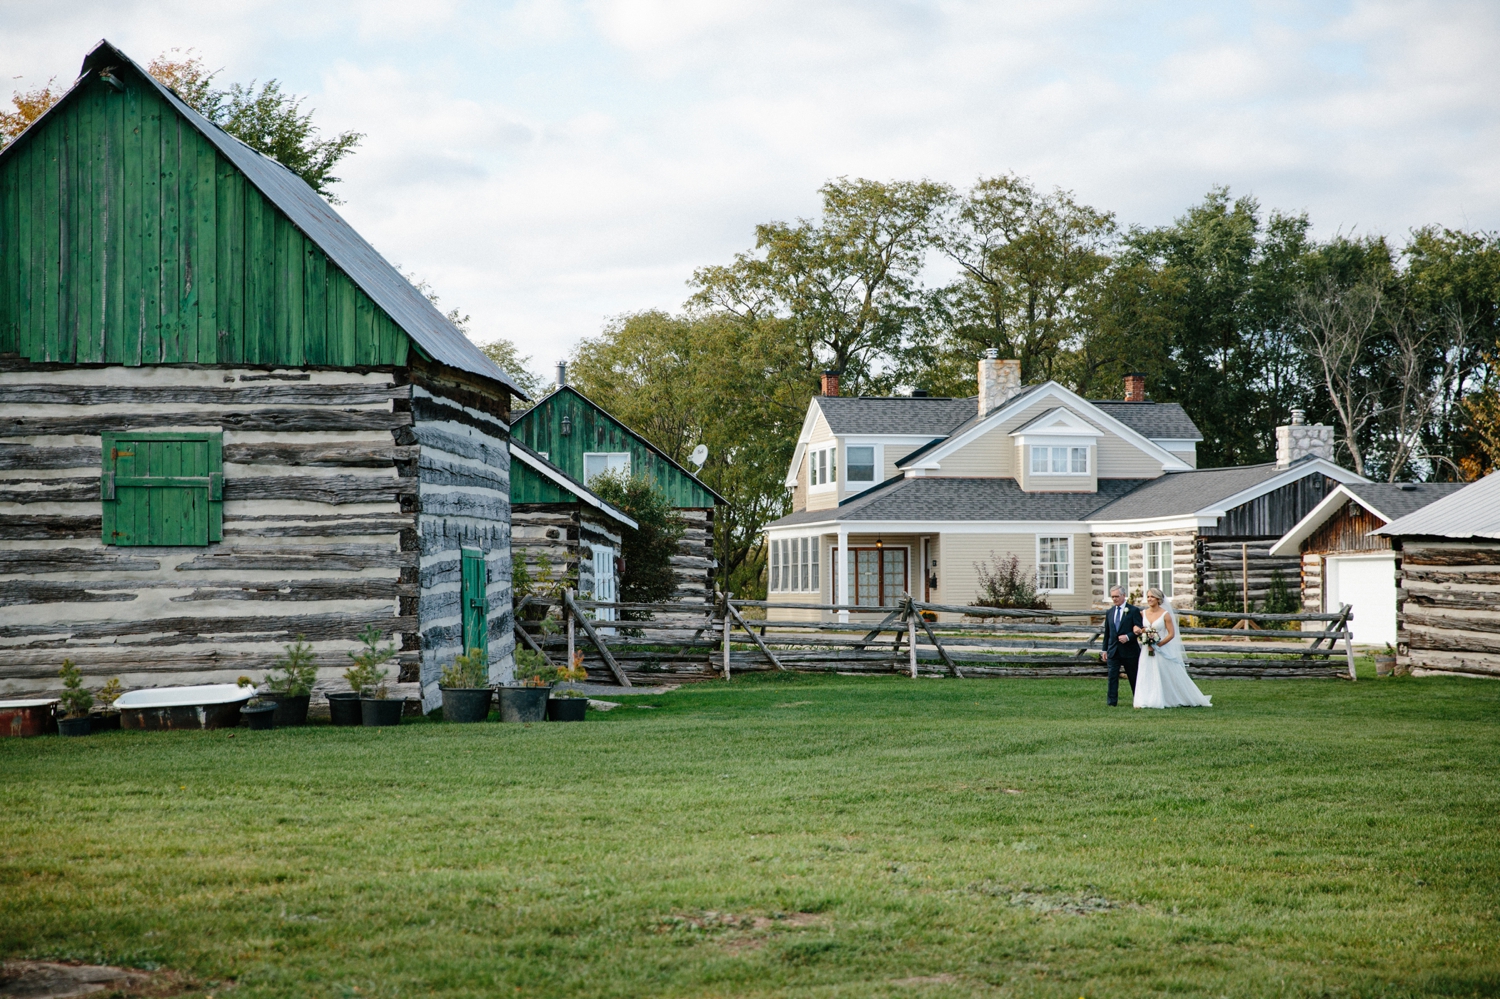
(1368, 583)
(606, 585)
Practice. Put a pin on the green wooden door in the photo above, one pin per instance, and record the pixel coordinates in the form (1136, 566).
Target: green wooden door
(475, 600)
(162, 489)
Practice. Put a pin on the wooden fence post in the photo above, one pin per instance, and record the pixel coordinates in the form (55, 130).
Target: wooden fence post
(754, 637)
(588, 629)
(567, 613)
(727, 611)
(1348, 612)
(911, 634)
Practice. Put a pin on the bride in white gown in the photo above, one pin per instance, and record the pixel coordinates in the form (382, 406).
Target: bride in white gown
(1161, 680)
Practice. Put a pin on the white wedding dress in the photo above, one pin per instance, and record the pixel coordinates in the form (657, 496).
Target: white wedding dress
(1162, 681)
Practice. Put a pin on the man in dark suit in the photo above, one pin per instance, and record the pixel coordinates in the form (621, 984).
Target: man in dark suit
(1121, 648)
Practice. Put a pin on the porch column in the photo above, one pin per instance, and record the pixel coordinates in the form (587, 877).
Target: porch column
(843, 570)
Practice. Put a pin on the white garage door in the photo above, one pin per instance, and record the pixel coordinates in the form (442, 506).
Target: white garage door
(1369, 584)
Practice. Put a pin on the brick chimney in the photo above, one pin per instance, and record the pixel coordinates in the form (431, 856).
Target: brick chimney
(1300, 439)
(998, 381)
(1135, 387)
(830, 383)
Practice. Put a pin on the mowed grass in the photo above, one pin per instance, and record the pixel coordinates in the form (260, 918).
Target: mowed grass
(789, 836)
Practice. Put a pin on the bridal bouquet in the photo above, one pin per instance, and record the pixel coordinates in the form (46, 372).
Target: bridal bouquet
(1149, 638)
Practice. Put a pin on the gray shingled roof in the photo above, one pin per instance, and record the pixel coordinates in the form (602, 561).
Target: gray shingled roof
(894, 414)
(1181, 493)
(1397, 499)
(969, 420)
(955, 499)
(1153, 420)
(408, 307)
(1470, 512)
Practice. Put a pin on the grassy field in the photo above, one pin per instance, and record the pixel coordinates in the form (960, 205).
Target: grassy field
(789, 836)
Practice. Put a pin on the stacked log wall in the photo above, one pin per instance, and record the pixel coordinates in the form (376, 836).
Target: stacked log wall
(1184, 581)
(694, 562)
(1214, 557)
(462, 501)
(1448, 607)
(319, 525)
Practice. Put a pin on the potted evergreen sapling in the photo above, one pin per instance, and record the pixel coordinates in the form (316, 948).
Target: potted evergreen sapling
(74, 702)
(568, 704)
(368, 676)
(108, 717)
(259, 713)
(465, 687)
(289, 685)
(525, 698)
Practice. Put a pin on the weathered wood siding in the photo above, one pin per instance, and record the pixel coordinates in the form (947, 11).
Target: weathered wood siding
(127, 238)
(1348, 530)
(1215, 557)
(1448, 606)
(319, 525)
(463, 501)
(1275, 513)
(565, 534)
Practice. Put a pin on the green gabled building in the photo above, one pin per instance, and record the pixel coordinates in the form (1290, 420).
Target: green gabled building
(582, 439)
(225, 419)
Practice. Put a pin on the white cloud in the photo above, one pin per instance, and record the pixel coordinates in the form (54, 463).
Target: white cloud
(548, 164)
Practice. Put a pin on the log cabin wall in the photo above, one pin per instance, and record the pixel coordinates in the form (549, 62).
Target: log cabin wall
(1184, 579)
(463, 501)
(694, 562)
(1448, 606)
(318, 537)
(565, 534)
(1257, 525)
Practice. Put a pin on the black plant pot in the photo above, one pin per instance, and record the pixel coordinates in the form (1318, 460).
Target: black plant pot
(374, 711)
(519, 703)
(291, 709)
(343, 708)
(103, 721)
(466, 704)
(75, 726)
(567, 708)
(261, 718)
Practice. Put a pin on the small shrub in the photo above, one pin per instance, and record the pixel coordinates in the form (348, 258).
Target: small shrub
(298, 671)
(1279, 597)
(1003, 584)
(110, 692)
(365, 674)
(533, 670)
(649, 577)
(471, 670)
(76, 700)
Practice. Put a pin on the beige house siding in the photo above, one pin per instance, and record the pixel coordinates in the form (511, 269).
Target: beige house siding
(994, 453)
(1120, 459)
(962, 554)
(1056, 483)
(1184, 570)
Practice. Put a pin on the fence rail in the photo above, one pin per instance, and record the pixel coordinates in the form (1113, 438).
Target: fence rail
(628, 642)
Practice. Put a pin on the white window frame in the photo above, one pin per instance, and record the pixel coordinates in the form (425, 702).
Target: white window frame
(773, 565)
(1124, 569)
(1147, 572)
(1069, 453)
(877, 462)
(1068, 538)
(822, 468)
(588, 477)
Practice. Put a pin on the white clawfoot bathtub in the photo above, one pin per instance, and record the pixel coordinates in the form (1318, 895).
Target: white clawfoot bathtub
(212, 705)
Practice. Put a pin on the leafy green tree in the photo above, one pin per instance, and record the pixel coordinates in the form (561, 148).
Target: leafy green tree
(845, 286)
(506, 354)
(647, 549)
(267, 120)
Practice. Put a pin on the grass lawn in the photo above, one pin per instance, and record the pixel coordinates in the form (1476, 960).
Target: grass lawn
(790, 836)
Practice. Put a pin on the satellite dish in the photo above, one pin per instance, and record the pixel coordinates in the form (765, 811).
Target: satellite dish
(699, 455)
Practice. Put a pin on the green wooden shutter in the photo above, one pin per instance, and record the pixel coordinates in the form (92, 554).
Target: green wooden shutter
(163, 489)
(475, 600)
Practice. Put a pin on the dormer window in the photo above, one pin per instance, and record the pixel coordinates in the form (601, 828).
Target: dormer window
(1055, 460)
(860, 462)
(823, 467)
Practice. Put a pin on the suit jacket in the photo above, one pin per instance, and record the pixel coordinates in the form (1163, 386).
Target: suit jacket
(1129, 621)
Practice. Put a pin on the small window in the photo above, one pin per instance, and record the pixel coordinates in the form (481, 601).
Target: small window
(833, 464)
(774, 569)
(1059, 460)
(806, 566)
(1159, 566)
(600, 462)
(817, 578)
(1117, 567)
(1054, 564)
(162, 489)
(822, 468)
(861, 463)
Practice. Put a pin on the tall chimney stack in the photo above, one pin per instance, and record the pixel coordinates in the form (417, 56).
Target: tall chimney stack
(1300, 439)
(998, 381)
(562, 373)
(830, 383)
(1135, 387)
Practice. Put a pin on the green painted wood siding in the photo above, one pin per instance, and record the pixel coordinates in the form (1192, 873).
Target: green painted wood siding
(594, 430)
(527, 485)
(126, 238)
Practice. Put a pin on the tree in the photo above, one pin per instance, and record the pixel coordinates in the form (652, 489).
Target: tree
(268, 120)
(29, 105)
(846, 285)
(647, 549)
(1339, 322)
(506, 354)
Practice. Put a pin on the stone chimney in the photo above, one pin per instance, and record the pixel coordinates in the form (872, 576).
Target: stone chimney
(1135, 387)
(830, 383)
(1300, 439)
(998, 381)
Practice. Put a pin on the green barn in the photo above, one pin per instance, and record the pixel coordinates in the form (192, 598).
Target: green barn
(225, 419)
(582, 439)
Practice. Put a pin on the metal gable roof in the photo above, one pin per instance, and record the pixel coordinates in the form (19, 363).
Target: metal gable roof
(1471, 512)
(429, 330)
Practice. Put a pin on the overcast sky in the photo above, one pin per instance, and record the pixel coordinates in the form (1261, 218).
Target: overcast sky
(545, 165)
